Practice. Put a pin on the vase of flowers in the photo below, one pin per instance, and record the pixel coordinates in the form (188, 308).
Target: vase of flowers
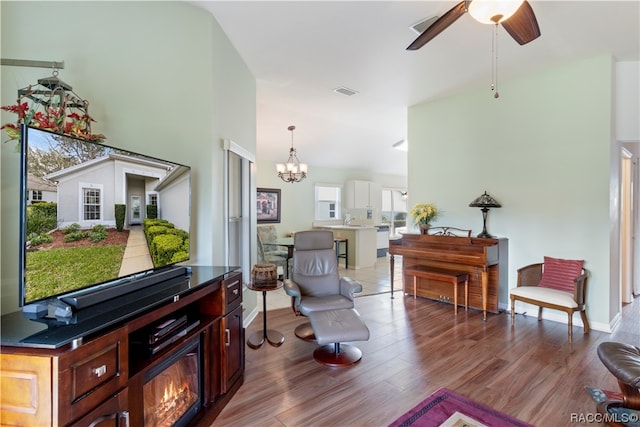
(423, 214)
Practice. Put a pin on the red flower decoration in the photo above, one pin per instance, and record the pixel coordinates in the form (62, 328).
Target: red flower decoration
(20, 109)
(42, 115)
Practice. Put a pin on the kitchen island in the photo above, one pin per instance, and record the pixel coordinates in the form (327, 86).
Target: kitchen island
(362, 243)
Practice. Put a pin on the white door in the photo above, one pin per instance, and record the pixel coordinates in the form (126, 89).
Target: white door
(626, 227)
(239, 209)
(135, 213)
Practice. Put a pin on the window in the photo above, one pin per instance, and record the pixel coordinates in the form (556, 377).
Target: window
(394, 210)
(332, 210)
(152, 205)
(328, 201)
(91, 204)
(36, 195)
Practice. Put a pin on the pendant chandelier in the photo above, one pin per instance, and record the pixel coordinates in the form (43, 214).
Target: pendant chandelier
(293, 170)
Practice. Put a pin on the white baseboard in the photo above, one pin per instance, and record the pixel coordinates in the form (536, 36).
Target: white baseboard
(250, 316)
(614, 322)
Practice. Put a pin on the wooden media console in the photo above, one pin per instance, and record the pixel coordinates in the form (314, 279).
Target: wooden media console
(96, 369)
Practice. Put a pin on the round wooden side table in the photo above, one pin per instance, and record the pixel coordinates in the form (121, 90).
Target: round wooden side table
(258, 338)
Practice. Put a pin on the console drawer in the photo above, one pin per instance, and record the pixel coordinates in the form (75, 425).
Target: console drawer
(232, 287)
(92, 372)
(95, 370)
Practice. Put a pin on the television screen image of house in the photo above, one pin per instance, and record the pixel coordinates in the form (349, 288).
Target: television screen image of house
(94, 213)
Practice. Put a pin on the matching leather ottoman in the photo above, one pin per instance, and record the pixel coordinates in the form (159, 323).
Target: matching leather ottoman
(623, 361)
(331, 328)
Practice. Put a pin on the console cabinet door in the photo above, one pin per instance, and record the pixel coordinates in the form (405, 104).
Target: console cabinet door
(112, 413)
(25, 387)
(233, 348)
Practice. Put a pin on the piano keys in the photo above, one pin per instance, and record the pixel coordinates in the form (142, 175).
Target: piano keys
(484, 259)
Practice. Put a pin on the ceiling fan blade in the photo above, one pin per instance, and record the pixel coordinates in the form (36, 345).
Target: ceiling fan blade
(522, 25)
(439, 26)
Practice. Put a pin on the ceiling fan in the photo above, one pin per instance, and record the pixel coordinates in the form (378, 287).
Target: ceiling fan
(516, 16)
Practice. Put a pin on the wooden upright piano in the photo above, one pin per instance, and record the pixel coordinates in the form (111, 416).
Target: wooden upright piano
(484, 259)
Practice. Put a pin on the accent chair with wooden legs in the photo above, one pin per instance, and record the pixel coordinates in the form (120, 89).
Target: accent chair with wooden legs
(557, 284)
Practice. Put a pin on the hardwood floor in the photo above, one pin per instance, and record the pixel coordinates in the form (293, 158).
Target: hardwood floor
(416, 347)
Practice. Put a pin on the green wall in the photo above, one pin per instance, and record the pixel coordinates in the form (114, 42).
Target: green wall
(162, 79)
(543, 150)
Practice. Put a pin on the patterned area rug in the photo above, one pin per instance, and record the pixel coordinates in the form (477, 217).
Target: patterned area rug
(449, 409)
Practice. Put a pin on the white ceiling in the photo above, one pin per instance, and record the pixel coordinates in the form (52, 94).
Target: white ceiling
(299, 51)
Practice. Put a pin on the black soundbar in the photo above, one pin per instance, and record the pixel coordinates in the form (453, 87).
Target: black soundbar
(86, 298)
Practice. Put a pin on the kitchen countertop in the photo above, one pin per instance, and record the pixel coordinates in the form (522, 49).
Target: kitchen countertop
(347, 227)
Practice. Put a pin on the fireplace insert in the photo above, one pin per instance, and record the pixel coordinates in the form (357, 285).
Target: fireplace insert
(172, 390)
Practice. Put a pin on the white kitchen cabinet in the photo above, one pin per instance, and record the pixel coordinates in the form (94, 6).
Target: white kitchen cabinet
(363, 195)
(375, 195)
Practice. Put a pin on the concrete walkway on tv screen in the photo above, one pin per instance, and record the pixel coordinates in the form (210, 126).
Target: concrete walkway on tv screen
(136, 255)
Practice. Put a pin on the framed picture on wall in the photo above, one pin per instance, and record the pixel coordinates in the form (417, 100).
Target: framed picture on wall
(268, 205)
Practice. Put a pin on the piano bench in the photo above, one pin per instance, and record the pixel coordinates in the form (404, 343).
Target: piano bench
(454, 277)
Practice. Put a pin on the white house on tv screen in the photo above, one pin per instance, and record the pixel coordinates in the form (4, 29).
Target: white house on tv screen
(88, 192)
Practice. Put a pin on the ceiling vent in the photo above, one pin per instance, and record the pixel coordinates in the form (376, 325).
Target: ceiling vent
(402, 145)
(420, 26)
(345, 91)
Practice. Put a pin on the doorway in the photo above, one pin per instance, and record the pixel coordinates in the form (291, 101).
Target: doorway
(135, 213)
(627, 232)
(239, 209)
(394, 210)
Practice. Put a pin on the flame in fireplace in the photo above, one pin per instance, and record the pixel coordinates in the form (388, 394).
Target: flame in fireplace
(170, 394)
(174, 397)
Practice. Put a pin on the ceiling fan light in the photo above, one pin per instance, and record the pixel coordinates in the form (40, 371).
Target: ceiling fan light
(493, 11)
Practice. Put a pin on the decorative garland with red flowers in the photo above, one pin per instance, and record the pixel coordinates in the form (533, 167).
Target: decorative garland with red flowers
(58, 111)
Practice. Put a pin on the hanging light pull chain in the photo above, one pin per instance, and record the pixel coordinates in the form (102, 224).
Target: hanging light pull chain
(494, 63)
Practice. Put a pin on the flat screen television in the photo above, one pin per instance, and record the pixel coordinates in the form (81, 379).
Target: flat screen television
(96, 221)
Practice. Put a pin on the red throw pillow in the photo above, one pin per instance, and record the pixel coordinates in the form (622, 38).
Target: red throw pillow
(559, 273)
